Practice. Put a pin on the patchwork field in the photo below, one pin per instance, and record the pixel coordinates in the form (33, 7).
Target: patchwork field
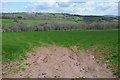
(94, 39)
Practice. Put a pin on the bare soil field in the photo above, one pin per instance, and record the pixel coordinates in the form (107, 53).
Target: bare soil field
(58, 62)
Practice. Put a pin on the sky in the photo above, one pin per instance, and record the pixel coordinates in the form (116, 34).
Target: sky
(81, 7)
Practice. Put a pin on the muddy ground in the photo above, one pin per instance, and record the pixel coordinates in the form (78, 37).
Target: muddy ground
(57, 62)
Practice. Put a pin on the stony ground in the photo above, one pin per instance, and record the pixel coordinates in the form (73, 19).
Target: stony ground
(57, 62)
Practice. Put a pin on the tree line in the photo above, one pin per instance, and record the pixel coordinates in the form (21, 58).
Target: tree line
(20, 26)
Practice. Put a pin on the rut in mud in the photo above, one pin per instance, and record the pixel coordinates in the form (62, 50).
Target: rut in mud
(59, 62)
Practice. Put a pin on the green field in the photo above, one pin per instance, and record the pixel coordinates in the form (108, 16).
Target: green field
(18, 14)
(7, 21)
(16, 44)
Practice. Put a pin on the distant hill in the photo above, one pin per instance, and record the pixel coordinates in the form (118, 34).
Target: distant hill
(111, 15)
(58, 16)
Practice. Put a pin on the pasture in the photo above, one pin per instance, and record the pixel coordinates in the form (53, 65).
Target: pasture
(7, 21)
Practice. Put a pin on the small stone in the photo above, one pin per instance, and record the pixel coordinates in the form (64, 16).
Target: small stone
(44, 76)
(43, 73)
(55, 76)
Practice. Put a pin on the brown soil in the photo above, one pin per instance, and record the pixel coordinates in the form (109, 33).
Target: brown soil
(59, 62)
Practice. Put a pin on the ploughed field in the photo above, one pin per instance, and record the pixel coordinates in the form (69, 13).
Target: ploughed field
(16, 44)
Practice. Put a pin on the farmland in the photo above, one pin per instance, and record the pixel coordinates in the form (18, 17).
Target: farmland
(7, 21)
(17, 43)
(72, 31)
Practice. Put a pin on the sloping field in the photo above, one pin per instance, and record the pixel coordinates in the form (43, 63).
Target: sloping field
(6, 21)
(16, 44)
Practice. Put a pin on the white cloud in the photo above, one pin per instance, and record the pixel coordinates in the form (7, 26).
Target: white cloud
(90, 7)
(90, 2)
(59, 0)
(107, 8)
